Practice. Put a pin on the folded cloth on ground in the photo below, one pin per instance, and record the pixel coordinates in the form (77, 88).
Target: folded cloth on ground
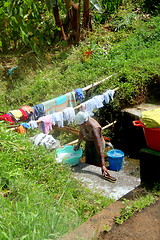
(46, 140)
(151, 118)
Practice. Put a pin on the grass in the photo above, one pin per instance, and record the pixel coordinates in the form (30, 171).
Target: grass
(138, 204)
(132, 56)
(42, 199)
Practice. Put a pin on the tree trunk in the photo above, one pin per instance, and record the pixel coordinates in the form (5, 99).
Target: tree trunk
(59, 22)
(69, 12)
(75, 22)
(86, 15)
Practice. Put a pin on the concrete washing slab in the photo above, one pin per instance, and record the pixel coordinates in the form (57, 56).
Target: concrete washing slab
(91, 177)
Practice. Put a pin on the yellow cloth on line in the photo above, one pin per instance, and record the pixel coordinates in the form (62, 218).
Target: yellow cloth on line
(17, 114)
(151, 118)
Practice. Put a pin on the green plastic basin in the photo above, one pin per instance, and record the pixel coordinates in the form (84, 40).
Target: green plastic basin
(68, 156)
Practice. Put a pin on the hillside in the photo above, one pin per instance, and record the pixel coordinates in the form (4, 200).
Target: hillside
(126, 46)
(39, 198)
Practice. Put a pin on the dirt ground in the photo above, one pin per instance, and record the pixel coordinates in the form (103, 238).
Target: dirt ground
(144, 225)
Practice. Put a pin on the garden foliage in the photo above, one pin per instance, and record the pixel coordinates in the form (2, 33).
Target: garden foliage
(39, 197)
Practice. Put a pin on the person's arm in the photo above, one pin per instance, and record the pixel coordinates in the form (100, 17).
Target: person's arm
(80, 138)
(98, 144)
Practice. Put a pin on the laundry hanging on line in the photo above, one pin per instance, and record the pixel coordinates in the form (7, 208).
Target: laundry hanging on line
(59, 103)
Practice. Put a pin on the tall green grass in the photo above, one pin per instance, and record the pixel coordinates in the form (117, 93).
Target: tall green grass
(41, 198)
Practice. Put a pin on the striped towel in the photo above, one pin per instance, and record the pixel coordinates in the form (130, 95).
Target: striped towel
(60, 103)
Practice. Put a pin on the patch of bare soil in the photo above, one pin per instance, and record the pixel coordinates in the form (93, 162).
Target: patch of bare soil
(144, 225)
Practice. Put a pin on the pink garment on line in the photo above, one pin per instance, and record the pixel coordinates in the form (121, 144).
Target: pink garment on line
(47, 120)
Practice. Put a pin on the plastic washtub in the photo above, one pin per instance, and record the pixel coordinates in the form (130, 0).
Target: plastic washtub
(68, 156)
(152, 135)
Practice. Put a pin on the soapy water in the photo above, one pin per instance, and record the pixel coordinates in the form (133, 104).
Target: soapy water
(64, 156)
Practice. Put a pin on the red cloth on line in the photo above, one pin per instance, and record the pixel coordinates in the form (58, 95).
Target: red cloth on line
(7, 118)
(24, 113)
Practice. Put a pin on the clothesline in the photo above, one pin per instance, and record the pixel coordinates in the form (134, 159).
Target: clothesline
(96, 83)
(45, 123)
(36, 112)
(80, 105)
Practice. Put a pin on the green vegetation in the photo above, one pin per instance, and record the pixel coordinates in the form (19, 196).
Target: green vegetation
(39, 198)
(130, 52)
(136, 206)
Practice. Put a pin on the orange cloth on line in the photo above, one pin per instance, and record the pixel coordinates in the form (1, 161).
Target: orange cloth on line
(20, 129)
(28, 109)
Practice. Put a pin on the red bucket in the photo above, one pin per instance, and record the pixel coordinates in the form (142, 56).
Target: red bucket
(152, 135)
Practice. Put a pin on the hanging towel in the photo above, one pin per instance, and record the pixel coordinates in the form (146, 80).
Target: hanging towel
(25, 125)
(60, 103)
(24, 115)
(90, 105)
(71, 99)
(99, 101)
(20, 129)
(64, 101)
(59, 118)
(28, 109)
(53, 116)
(108, 95)
(49, 106)
(55, 105)
(69, 115)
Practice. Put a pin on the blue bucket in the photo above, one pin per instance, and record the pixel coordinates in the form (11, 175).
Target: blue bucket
(115, 159)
